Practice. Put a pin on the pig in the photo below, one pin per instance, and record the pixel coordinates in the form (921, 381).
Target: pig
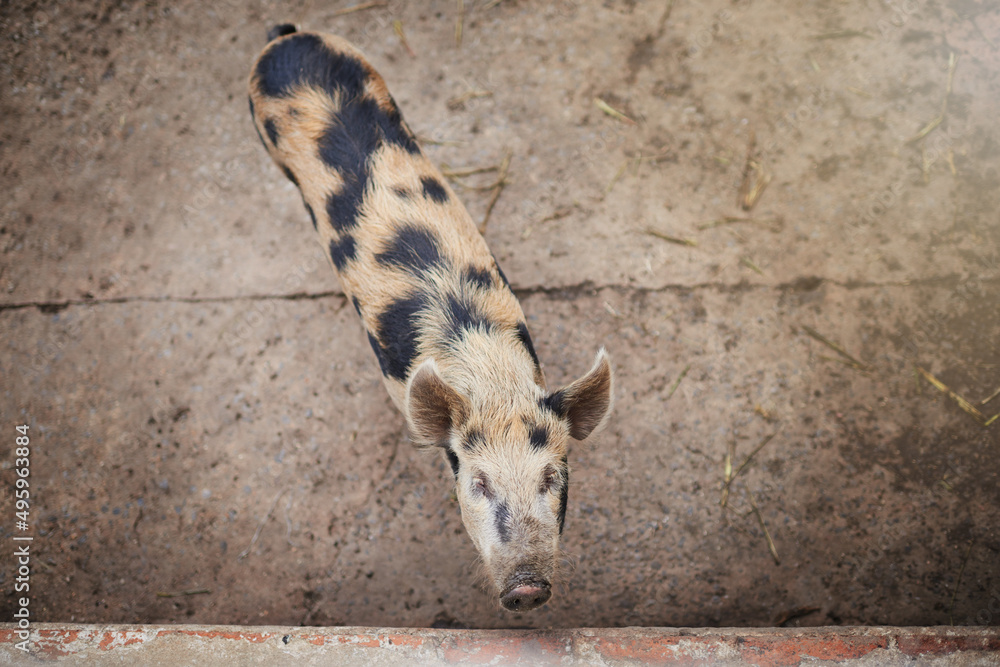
(446, 328)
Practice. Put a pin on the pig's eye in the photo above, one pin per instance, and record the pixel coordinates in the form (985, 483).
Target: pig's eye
(481, 486)
(550, 479)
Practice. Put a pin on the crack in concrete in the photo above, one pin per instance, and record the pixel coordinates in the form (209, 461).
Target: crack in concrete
(57, 306)
(566, 292)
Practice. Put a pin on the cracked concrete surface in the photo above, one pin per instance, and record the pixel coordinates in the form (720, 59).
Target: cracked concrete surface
(181, 351)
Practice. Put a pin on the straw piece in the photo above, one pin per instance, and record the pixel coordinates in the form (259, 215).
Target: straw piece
(498, 188)
(677, 382)
(833, 346)
(841, 34)
(611, 111)
(260, 527)
(937, 120)
(671, 239)
(727, 473)
(750, 265)
(962, 403)
(990, 397)
(459, 100)
(731, 478)
(462, 173)
(958, 581)
(361, 7)
(767, 535)
(755, 177)
(397, 27)
(845, 362)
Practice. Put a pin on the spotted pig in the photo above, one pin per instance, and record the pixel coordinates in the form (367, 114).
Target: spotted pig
(448, 332)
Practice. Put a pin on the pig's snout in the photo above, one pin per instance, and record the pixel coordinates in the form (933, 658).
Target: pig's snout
(526, 593)
(527, 597)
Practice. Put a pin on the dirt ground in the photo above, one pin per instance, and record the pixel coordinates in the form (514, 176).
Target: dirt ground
(210, 439)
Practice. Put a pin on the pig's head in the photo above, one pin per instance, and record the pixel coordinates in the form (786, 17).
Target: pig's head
(508, 451)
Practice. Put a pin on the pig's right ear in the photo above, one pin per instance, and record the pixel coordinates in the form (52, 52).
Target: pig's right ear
(586, 403)
(433, 408)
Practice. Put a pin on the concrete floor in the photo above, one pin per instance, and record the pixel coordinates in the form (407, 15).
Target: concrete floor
(359, 647)
(210, 440)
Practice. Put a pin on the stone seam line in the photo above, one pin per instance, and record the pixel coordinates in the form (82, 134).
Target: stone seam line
(568, 292)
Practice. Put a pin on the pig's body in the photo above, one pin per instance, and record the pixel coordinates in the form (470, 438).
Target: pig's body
(447, 330)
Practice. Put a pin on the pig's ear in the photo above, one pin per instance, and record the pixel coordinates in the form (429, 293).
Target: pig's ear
(433, 408)
(586, 403)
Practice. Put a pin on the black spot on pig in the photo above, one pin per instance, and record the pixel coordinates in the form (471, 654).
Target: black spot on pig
(272, 131)
(412, 249)
(462, 315)
(502, 516)
(356, 131)
(474, 439)
(478, 277)
(256, 129)
(563, 495)
(555, 402)
(525, 338)
(280, 31)
(452, 460)
(538, 437)
(503, 278)
(342, 251)
(304, 60)
(394, 130)
(346, 146)
(312, 214)
(433, 189)
(397, 333)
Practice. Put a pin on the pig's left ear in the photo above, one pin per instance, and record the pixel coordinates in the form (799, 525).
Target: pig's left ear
(433, 408)
(586, 403)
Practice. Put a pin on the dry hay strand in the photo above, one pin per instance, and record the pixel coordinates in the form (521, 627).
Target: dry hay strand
(937, 120)
(836, 348)
(459, 101)
(755, 177)
(359, 8)
(730, 476)
(397, 27)
(763, 526)
(498, 187)
(841, 34)
(611, 111)
(771, 225)
(966, 406)
(671, 239)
